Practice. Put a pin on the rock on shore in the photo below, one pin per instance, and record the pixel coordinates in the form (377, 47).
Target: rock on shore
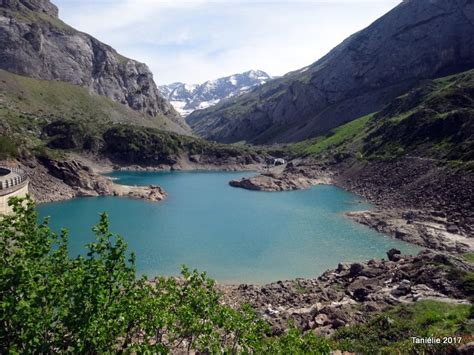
(57, 180)
(352, 293)
(291, 176)
(416, 200)
(411, 227)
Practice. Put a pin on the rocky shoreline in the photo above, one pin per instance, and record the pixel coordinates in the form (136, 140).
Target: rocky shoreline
(285, 177)
(76, 175)
(58, 180)
(416, 220)
(353, 293)
(436, 214)
(413, 228)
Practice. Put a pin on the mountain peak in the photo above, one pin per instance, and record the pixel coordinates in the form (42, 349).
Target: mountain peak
(416, 41)
(189, 97)
(257, 74)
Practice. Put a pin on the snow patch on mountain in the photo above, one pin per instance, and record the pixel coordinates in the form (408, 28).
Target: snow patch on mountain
(186, 98)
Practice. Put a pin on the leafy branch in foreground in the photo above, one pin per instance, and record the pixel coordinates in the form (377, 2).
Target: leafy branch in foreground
(52, 303)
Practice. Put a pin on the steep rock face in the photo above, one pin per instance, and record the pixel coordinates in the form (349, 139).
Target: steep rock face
(44, 6)
(36, 43)
(417, 40)
(186, 98)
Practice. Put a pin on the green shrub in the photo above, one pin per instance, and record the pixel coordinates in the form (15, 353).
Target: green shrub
(391, 331)
(8, 148)
(295, 343)
(52, 303)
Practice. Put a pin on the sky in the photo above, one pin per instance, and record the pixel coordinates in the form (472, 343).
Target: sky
(192, 41)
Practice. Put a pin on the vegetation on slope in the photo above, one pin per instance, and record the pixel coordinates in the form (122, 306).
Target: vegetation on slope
(392, 331)
(469, 257)
(50, 117)
(357, 77)
(338, 137)
(433, 121)
(28, 105)
(27, 102)
(7, 148)
(138, 145)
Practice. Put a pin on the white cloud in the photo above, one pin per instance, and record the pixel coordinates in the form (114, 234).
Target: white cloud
(193, 41)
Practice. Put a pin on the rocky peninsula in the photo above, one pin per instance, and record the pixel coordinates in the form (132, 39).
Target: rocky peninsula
(54, 180)
(437, 214)
(291, 176)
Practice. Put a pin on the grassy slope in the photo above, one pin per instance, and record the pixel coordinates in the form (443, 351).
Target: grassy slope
(31, 18)
(391, 331)
(46, 100)
(51, 116)
(349, 132)
(27, 105)
(434, 121)
(138, 145)
(469, 257)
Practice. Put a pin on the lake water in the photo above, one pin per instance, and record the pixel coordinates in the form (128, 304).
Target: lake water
(234, 234)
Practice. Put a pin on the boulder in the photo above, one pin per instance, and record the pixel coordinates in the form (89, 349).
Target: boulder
(356, 269)
(342, 267)
(466, 349)
(452, 228)
(360, 294)
(321, 319)
(338, 323)
(403, 288)
(394, 254)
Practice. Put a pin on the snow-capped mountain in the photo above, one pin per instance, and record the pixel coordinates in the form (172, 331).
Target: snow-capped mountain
(186, 98)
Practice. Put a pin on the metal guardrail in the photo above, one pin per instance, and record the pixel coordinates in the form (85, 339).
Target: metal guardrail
(14, 180)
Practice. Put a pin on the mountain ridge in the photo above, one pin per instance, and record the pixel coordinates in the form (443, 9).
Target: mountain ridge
(187, 98)
(417, 40)
(37, 44)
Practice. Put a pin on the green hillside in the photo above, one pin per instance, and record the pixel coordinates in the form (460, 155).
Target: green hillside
(433, 121)
(51, 117)
(28, 105)
(23, 100)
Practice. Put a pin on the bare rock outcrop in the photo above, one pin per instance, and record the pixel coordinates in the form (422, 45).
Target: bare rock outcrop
(353, 293)
(43, 6)
(36, 43)
(291, 176)
(72, 178)
(417, 40)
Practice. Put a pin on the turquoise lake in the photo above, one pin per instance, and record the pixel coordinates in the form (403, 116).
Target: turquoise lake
(234, 234)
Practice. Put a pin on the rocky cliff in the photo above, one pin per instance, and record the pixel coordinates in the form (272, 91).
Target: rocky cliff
(417, 40)
(34, 42)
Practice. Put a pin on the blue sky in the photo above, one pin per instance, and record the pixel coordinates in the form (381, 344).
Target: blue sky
(196, 40)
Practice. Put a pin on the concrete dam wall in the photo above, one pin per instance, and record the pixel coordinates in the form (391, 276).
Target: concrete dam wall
(13, 183)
